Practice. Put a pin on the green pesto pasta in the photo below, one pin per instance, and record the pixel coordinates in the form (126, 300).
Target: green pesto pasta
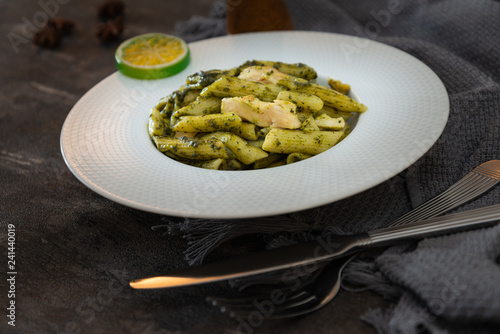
(305, 102)
(290, 141)
(156, 126)
(247, 131)
(261, 114)
(208, 123)
(199, 107)
(192, 149)
(233, 86)
(244, 152)
(216, 164)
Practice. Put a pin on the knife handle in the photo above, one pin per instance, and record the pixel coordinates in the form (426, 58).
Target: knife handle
(437, 226)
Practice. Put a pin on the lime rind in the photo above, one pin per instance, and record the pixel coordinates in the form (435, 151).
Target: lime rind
(152, 71)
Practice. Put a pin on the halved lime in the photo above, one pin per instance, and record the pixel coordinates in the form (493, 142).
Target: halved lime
(152, 56)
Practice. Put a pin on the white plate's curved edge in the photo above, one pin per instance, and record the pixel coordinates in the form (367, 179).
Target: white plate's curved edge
(91, 185)
(274, 211)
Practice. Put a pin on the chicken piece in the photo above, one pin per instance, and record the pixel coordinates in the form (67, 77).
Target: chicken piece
(264, 74)
(277, 114)
(328, 123)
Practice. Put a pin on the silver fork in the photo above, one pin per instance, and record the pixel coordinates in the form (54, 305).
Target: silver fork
(325, 286)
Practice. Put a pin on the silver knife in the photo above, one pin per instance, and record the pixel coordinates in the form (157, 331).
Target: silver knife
(321, 249)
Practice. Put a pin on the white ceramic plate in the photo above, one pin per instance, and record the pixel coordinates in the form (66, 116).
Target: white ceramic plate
(105, 143)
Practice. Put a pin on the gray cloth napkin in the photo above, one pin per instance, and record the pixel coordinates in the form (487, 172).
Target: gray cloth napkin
(444, 285)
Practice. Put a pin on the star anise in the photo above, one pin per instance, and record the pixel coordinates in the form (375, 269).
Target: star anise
(110, 9)
(65, 26)
(50, 35)
(110, 30)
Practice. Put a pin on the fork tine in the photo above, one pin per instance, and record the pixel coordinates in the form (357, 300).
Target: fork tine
(294, 302)
(470, 186)
(490, 169)
(291, 308)
(331, 273)
(246, 305)
(299, 301)
(242, 302)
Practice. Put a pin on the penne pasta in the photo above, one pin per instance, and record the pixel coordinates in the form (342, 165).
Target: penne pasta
(295, 157)
(256, 143)
(309, 125)
(329, 96)
(208, 123)
(269, 160)
(333, 113)
(247, 131)
(217, 164)
(192, 149)
(234, 164)
(156, 126)
(201, 106)
(233, 86)
(291, 141)
(328, 123)
(245, 153)
(299, 70)
(261, 114)
(339, 86)
(305, 102)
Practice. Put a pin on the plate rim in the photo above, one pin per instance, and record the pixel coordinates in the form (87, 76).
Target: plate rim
(231, 215)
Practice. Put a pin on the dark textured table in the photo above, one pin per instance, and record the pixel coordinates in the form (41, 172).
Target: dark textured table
(75, 250)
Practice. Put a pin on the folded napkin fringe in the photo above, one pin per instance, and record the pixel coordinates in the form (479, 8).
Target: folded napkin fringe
(204, 235)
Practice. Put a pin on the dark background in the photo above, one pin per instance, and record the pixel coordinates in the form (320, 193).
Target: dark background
(75, 250)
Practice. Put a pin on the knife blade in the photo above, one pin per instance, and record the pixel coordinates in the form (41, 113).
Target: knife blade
(276, 259)
(321, 249)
